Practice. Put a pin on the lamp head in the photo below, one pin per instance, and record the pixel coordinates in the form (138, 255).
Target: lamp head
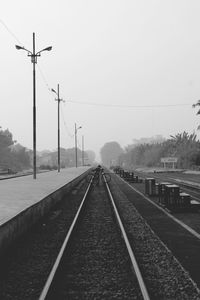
(19, 47)
(53, 91)
(47, 48)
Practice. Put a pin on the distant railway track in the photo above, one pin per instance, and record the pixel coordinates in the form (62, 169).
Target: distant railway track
(186, 186)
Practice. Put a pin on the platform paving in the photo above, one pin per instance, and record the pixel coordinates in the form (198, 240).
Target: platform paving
(19, 193)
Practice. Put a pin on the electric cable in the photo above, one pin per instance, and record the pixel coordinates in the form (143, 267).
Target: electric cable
(10, 32)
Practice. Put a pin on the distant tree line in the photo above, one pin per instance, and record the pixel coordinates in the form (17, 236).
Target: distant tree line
(184, 146)
(13, 156)
(110, 153)
(49, 159)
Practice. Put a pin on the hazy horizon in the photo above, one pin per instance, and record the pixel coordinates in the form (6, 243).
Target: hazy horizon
(126, 69)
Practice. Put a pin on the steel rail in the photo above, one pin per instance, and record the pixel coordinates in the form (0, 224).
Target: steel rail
(130, 251)
(64, 245)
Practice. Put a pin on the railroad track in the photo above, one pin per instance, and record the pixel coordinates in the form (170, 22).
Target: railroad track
(94, 261)
(97, 264)
(179, 232)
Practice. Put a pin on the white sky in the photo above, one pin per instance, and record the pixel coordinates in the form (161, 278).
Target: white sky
(113, 52)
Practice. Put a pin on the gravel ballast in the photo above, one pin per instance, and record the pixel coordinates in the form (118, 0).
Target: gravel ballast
(96, 264)
(164, 275)
(27, 265)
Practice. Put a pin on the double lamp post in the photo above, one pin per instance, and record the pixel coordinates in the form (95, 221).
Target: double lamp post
(34, 55)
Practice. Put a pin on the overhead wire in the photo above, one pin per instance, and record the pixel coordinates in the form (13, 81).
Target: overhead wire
(99, 104)
(92, 103)
(70, 100)
(50, 90)
(128, 105)
(43, 77)
(10, 32)
(65, 125)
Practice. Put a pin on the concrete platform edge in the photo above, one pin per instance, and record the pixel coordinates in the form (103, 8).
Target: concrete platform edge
(19, 224)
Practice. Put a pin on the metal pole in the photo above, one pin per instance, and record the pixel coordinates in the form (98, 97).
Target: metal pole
(58, 130)
(82, 150)
(75, 145)
(34, 56)
(34, 109)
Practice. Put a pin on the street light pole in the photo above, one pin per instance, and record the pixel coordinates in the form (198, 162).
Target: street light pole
(34, 56)
(34, 109)
(58, 95)
(58, 130)
(76, 129)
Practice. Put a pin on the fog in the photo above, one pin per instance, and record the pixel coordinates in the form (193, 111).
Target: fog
(126, 69)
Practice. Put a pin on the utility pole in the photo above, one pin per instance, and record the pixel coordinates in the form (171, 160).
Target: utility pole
(75, 135)
(58, 99)
(34, 61)
(82, 150)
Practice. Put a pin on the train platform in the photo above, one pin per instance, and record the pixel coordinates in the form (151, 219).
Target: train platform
(23, 200)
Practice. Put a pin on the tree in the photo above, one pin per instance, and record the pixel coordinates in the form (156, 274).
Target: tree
(5, 151)
(67, 158)
(110, 153)
(12, 156)
(20, 157)
(198, 112)
(184, 146)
